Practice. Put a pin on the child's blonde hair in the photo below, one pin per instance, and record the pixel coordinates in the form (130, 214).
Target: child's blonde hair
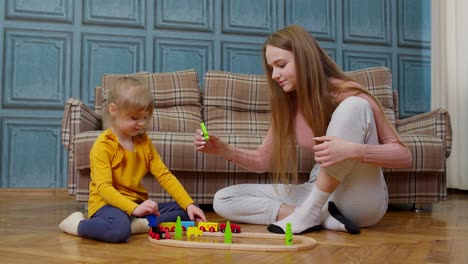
(130, 97)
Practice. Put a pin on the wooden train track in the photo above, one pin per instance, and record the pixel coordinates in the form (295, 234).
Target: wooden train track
(299, 242)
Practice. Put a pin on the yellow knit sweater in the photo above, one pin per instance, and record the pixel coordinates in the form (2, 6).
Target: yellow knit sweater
(117, 173)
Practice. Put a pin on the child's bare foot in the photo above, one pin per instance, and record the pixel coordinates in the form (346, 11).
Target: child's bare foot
(139, 226)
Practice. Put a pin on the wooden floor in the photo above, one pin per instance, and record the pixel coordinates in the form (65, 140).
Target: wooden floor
(29, 234)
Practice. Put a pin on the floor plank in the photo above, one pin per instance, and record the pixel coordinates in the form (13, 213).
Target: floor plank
(29, 234)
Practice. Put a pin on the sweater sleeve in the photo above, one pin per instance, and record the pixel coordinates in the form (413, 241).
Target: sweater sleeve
(391, 152)
(255, 160)
(167, 180)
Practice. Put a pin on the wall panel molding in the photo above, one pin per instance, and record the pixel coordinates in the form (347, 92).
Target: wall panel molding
(355, 60)
(414, 23)
(185, 14)
(367, 21)
(414, 84)
(249, 17)
(109, 54)
(37, 69)
(127, 13)
(44, 165)
(45, 10)
(173, 54)
(242, 57)
(318, 17)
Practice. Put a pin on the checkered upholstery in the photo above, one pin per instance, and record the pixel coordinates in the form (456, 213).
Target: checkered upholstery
(236, 103)
(236, 108)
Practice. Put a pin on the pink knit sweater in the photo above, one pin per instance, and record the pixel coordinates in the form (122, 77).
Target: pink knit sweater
(389, 153)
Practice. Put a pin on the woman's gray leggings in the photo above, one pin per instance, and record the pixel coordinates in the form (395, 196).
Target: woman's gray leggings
(362, 195)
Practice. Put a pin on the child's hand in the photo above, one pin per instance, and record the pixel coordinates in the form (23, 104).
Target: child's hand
(146, 208)
(195, 213)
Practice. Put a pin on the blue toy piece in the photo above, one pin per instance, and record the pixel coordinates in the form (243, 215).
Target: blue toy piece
(152, 220)
(187, 224)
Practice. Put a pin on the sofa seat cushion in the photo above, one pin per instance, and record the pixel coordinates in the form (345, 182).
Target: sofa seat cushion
(177, 118)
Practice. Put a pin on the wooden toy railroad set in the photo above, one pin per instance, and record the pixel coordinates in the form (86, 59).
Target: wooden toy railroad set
(228, 236)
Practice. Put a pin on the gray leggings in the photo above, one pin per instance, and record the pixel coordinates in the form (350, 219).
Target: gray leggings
(361, 196)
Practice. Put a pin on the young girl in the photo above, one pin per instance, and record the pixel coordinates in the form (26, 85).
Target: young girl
(120, 157)
(316, 105)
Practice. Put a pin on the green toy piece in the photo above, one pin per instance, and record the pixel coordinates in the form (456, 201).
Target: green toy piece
(228, 234)
(178, 228)
(205, 131)
(288, 235)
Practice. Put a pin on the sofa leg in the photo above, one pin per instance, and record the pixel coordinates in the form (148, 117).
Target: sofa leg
(417, 208)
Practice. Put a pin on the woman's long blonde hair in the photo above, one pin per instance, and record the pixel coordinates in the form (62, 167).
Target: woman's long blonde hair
(312, 96)
(130, 97)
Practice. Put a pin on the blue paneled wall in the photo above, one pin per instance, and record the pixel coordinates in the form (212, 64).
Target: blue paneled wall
(55, 49)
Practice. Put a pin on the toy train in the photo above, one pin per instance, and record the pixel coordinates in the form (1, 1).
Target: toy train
(155, 231)
(162, 230)
(203, 226)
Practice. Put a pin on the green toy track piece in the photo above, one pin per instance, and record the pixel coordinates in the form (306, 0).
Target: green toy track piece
(228, 233)
(205, 131)
(288, 235)
(178, 228)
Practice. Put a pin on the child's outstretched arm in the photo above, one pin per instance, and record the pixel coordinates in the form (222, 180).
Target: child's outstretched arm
(195, 213)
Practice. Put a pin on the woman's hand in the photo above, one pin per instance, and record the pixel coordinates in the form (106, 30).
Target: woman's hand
(146, 208)
(334, 150)
(213, 146)
(201, 144)
(195, 213)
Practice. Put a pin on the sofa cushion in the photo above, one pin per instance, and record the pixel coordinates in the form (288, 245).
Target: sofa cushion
(378, 80)
(177, 99)
(246, 108)
(236, 103)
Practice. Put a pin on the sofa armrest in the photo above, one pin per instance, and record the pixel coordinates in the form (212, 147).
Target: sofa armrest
(434, 123)
(77, 118)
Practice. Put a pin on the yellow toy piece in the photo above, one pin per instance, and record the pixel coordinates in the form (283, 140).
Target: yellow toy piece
(208, 226)
(194, 231)
(169, 226)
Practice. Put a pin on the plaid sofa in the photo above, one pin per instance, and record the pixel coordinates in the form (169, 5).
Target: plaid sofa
(236, 108)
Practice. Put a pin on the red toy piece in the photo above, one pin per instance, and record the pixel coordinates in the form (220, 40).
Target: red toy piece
(234, 228)
(156, 233)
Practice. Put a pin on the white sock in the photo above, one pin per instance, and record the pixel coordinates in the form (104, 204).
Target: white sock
(307, 216)
(70, 224)
(139, 226)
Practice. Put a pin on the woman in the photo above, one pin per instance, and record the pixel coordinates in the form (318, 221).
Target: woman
(316, 105)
